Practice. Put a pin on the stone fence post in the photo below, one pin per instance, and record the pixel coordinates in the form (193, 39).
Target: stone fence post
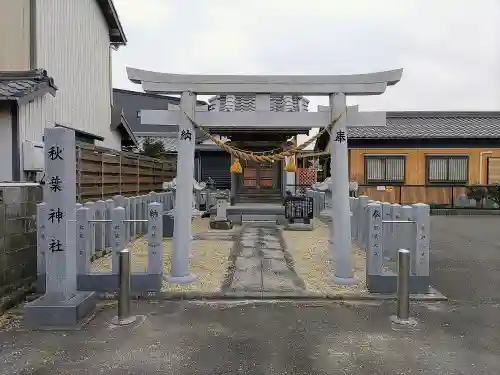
(118, 237)
(84, 238)
(421, 215)
(155, 238)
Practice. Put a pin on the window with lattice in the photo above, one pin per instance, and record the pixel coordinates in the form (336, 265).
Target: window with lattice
(385, 169)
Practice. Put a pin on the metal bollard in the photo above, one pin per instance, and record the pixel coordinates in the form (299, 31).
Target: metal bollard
(402, 316)
(403, 284)
(124, 301)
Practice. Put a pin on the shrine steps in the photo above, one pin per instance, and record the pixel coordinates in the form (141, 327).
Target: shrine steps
(264, 213)
(259, 196)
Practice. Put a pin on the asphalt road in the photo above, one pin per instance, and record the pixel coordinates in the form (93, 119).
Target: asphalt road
(465, 258)
(460, 336)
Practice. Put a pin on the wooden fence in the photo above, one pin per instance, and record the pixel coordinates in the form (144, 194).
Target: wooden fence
(103, 173)
(409, 194)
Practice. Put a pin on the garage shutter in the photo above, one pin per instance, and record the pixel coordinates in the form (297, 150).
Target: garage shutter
(493, 170)
(216, 165)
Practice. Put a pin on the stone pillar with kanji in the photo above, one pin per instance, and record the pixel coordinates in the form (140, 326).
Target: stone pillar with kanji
(61, 305)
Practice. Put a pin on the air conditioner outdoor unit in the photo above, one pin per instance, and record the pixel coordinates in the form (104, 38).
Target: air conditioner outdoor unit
(33, 157)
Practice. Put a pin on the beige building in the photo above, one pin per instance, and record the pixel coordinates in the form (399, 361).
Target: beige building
(55, 70)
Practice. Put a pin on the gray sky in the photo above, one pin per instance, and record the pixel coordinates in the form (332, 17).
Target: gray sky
(449, 49)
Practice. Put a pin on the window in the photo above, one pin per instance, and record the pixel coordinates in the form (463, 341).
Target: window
(385, 169)
(447, 169)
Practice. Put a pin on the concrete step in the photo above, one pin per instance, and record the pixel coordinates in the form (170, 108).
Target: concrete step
(253, 218)
(258, 200)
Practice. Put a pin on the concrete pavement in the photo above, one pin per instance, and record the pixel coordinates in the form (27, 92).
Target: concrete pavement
(460, 336)
(259, 338)
(261, 263)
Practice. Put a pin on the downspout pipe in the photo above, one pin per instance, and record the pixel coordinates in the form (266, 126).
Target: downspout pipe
(481, 164)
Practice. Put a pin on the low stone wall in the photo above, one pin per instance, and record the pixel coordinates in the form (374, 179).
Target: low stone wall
(18, 240)
(464, 212)
(381, 229)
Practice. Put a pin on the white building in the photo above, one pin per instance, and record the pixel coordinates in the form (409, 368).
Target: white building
(55, 69)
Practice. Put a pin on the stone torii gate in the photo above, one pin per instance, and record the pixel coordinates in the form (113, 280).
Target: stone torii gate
(336, 87)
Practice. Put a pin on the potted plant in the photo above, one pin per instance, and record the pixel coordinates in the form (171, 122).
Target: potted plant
(494, 193)
(478, 193)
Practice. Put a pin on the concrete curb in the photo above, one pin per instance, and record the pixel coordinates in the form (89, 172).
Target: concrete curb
(435, 296)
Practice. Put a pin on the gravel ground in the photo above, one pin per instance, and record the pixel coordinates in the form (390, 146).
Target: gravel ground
(310, 254)
(209, 259)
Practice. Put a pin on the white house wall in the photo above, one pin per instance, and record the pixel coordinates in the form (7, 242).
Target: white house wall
(34, 117)
(73, 46)
(14, 35)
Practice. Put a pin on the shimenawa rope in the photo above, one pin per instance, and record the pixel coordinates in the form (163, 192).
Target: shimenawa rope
(248, 155)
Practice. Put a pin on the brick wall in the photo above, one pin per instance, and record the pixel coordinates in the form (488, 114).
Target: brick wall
(18, 235)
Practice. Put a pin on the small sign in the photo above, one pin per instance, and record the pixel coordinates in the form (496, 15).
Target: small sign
(388, 189)
(380, 188)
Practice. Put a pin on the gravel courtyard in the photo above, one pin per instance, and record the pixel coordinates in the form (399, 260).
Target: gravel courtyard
(292, 262)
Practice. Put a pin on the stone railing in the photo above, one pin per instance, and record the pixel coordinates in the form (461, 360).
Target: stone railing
(98, 238)
(381, 229)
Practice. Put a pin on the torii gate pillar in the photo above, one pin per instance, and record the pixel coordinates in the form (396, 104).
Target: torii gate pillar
(181, 248)
(341, 212)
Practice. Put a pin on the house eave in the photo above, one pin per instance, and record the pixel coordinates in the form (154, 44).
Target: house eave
(116, 33)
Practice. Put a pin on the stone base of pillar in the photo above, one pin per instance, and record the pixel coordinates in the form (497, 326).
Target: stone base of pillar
(48, 313)
(326, 215)
(180, 279)
(344, 280)
(221, 224)
(299, 226)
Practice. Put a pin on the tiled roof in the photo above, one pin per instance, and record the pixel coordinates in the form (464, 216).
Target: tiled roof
(246, 103)
(405, 125)
(169, 141)
(24, 86)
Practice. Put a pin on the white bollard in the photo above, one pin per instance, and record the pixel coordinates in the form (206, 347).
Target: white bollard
(153, 196)
(41, 242)
(155, 238)
(91, 207)
(374, 252)
(421, 215)
(386, 229)
(99, 227)
(395, 242)
(361, 222)
(118, 237)
(353, 205)
(127, 217)
(144, 210)
(84, 241)
(108, 213)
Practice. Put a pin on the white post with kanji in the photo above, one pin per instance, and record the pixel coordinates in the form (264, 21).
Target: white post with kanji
(60, 196)
(341, 213)
(179, 273)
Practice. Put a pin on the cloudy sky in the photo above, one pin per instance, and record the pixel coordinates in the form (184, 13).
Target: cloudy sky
(449, 49)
